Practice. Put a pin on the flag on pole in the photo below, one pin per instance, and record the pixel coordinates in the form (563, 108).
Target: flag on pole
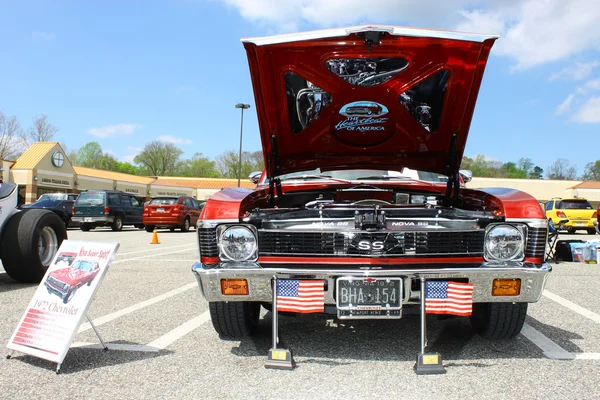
(301, 296)
(448, 298)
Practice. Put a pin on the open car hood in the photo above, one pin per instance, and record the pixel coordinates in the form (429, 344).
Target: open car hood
(367, 97)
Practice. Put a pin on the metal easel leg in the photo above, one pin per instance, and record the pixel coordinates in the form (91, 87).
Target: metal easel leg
(58, 368)
(104, 347)
(427, 363)
(10, 354)
(278, 358)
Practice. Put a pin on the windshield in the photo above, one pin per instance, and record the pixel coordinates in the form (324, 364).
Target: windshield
(90, 199)
(365, 174)
(52, 196)
(574, 205)
(83, 265)
(49, 203)
(163, 200)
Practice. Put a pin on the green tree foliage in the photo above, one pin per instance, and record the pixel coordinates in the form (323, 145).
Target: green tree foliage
(90, 155)
(159, 158)
(536, 173)
(592, 171)
(227, 163)
(483, 167)
(199, 166)
(561, 169)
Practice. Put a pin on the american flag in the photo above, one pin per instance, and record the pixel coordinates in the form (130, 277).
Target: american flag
(448, 298)
(301, 296)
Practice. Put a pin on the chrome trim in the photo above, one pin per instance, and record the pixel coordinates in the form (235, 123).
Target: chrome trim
(517, 257)
(207, 224)
(533, 278)
(532, 222)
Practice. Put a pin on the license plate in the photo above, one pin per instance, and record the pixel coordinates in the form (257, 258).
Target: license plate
(369, 298)
(579, 223)
(160, 210)
(88, 219)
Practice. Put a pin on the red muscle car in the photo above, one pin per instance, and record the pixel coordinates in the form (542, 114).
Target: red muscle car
(64, 282)
(171, 212)
(327, 209)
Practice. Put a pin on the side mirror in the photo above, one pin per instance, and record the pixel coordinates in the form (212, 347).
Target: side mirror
(255, 176)
(466, 174)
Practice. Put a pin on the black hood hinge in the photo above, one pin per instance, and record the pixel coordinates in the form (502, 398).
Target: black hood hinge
(272, 171)
(452, 167)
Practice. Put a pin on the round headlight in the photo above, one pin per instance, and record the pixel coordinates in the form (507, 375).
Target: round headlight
(237, 243)
(503, 243)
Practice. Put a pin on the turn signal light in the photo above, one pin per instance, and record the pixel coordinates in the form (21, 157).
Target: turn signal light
(234, 287)
(506, 287)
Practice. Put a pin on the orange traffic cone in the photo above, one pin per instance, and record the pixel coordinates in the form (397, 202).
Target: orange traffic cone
(154, 238)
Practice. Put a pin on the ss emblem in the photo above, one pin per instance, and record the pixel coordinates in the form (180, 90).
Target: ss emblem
(366, 245)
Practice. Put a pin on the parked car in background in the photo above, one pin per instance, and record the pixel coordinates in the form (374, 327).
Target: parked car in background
(112, 208)
(171, 212)
(60, 203)
(579, 212)
(597, 221)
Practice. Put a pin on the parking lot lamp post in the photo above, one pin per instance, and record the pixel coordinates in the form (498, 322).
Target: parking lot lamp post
(243, 107)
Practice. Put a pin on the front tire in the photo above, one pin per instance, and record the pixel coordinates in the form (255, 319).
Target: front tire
(234, 319)
(498, 320)
(30, 241)
(117, 224)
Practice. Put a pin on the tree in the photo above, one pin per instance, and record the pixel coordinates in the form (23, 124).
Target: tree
(510, 170)
(561, 169)
(536, 173)
(90, 155)
(592, 171)
(40, 131)
(159, 158)
(10, 130)
(228, 166)
(199, 166)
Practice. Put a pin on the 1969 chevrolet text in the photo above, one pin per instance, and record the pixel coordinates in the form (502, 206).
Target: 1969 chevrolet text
(363, 131)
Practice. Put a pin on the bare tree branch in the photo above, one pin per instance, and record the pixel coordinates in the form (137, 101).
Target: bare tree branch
(10, 131)
(40, 131)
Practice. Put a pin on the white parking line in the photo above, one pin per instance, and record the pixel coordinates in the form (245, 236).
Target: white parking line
(116, 346)
(550, 349)
(109, 317)
(572, 306)
(151, 255)
(156, 248)
(179, 332)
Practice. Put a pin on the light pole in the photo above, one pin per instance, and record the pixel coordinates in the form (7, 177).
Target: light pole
(243, 107)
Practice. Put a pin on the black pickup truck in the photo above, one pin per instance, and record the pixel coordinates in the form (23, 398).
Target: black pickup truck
(107, 208)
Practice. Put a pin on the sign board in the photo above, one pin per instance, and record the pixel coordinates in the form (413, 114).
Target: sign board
(60, 302)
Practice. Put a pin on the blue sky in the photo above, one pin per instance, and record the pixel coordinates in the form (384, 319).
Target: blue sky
(124, 73)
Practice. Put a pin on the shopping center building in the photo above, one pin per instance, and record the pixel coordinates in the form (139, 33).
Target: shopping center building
(44, 168)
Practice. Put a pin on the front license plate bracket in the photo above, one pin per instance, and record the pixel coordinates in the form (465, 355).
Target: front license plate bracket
(369, 298)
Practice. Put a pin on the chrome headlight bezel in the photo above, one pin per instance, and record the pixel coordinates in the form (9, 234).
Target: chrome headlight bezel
(224, 252)
(519, 252)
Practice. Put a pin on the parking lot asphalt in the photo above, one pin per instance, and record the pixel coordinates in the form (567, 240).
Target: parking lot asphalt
(150, 312)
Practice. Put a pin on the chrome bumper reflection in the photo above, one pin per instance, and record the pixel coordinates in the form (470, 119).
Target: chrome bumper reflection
(533, 278)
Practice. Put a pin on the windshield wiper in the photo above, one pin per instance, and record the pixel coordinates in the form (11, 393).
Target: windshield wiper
(308, 176)
(383, 178)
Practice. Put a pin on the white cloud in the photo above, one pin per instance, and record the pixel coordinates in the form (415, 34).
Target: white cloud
(128, 158)
(109, 131)
(577, 72)
(589, 112)
(565, 105)
(110, 153)
(36, 35)
(174, 140)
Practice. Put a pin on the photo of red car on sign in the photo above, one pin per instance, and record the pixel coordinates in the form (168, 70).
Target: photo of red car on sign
(64, 282)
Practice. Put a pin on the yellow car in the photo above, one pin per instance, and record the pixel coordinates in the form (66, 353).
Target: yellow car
(579, 213)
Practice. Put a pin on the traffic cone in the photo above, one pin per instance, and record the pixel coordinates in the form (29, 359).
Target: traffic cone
(154, 238)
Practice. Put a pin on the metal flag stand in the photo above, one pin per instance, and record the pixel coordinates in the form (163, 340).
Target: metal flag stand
(427, 363)
(278, 358)
(58, 365)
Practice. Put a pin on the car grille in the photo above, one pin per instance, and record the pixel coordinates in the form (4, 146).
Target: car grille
(372, 244)
(536, 242)
(207, 237)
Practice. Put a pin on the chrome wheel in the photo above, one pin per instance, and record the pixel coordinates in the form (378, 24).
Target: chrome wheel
(47, 245)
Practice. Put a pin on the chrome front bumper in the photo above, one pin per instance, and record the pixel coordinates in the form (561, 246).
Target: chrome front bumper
(533, 278)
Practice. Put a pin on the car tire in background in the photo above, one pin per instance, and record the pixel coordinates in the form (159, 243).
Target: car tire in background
(591, 231)
(149, 228)
(234, 319)
(498, 320)
(140, 226)
(85, 227)
(117, 224)
(186, 225)
(30, 241)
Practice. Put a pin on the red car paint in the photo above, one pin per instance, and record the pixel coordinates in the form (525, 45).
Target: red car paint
(171, 212)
